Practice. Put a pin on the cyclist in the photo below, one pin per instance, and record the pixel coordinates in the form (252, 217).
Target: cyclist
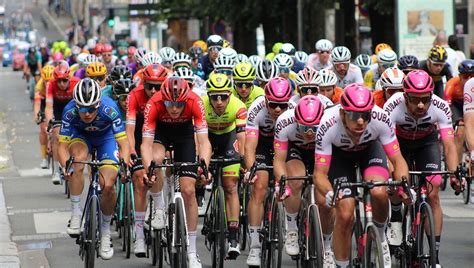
(167, 55)
(119, 72)
(58, 94)
(417, 114)
(120, 90)
(98, 72)
(226, 118)
(363, 61)
(295, 133)
(321, 59)
(379, 47)
(468, 117)
(149, 58)
(33, 64)
(255, 60)
(265, 70)
(386, 58)
(261, 118)
(98, 49)
(196, 53)
(437, 67)
(108, 58)
(81, 72)
(214, 45)
(224, 65)
(391, 82)
(195, 82)
(327, 83)
(285, 64)
(346, 72)
(307, 84)
(39, 106)
(153, 78)
(92, 121)
(175, 116)
(244, 88)
(408, 63)
(137, 58)
(290, 50)
(354, 132)
(301, 56)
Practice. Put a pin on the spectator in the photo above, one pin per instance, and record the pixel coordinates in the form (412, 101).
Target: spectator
(453, 43)
(442, 40)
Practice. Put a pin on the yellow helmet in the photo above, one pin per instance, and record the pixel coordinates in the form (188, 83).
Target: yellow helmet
(201, 44)
(96, 69)
(438, 54)
(218, 82)
(47, 72)
(244, 71)
(226, 44)
(381, 47)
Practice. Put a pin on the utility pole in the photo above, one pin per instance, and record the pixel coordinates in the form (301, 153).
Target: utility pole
(299, 11)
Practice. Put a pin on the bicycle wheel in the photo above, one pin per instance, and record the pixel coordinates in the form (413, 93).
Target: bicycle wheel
(127, 220)
(180, 256)
(425, 238)
(315, 239)
(373, 256)
(219, 229)
(90, 232)
(244, 228)
(68, 192)
(466, 194)
(276, 234)
(157, 249)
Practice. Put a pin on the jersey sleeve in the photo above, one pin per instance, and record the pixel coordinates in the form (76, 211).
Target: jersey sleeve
(67, 126)
(240, 116)
(368, 77)
(449, 90)
(323, 148)
(49, 92)
(150, 117)
(199, 116)
(445, 121)
(386, 130)
(132, 106)
(251, 129)
(280, 141)
(113, 113)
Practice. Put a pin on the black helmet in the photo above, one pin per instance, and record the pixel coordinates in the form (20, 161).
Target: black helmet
(120, 72)
(466, 67)
(32, 50)
(195, 52)
(123, 86)
(408, 62)
(215, 40)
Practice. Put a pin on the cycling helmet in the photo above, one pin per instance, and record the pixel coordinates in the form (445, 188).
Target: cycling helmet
(218, 82)
(418, 81)
(214, 41)
(323, 45)
(32, 50)
(363, 61)
(201, 44)
(392, 78)
(307, 76)
(341, 54)
(90, 59)
(278, 89)
(309, 111)
(98, 48)
(408, 61)
(226, 44)
(167, 54)
(242, 58)
(386, 56)
(185, 73)
(75, 50)
(301, 56)
(283, 61)
(195, 52)
(327, 78)
(61, 71)
(131, 51)
(123, 86)
(150, 58)
(288, 49)
(438, 54)
(155, 72)
(81, 58)
(140, 53)
(181, 58)
(223, 62)
(381, 47)
(120, 72)
(266, 70)
(466, 67)
(255, 60)
(57, 56)
(96, 69)
(244, 71)
(357, 98)
(276, 47)
(87, 92)
(228, 52)
(175, 89)
(107, 48)
(47, 72)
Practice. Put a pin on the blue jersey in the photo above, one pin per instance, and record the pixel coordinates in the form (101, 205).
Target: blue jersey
(107, 91)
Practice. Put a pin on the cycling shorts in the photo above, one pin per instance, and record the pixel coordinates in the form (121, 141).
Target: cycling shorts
(138, 134)
(343, 164)
(457, 112)
(264, 152)
(306, 156)
(58, 108)
(106, 146)
(181, 137)
(225, 145)
(425, 153)
(42, 105)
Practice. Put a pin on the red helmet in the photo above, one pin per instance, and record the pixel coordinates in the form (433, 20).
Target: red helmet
(131, 50)
(155, 72)
(99, 48)
(107, 48)
(61, 71)
(175, 89)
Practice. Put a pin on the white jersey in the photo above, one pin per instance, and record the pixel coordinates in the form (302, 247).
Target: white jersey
(313, 62)
(469, 96)
(408, 127)
(295, 99)
(353, 75)
(286, 131)
(259, 120)
(452, 60)
(199, 86)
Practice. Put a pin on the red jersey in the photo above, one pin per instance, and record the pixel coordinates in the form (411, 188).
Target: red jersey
(53, 93)
(379, 98)
(136, 102)
(155, 111)
(454, 92)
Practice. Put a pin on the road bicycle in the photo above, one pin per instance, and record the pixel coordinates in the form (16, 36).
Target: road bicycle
(466, 166)
(51, 125)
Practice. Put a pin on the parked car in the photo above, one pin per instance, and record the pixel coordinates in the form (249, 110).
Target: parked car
(18, 59)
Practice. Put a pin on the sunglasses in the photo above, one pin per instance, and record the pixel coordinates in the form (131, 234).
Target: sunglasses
(150, 86)
(217, 97)
(417, 100)
(88, 109)
(98, 78)
(63, 80)
(178, 104)
(274, 105)
(387, 65)
(392, 90)
(354, 116)
(215, 48)
(284, 70)
(243, 84)
(309, 90)
(307, 129)
(324, 51)
(224, 71)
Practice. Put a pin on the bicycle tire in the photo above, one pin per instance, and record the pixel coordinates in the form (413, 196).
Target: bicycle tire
(244, 231)
(315, 239)
(180, 257)
(373, 254)
(265, 230)
(219, 224)
(127, 220)
(68, 190)
(426, 218)
(276, 235)
(91, 233)
(466, 194)
(157, 256)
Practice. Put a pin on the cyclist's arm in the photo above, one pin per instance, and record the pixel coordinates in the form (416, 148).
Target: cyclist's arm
(399, 165)
(447, 137)
(131, 122)
(240, 123)
(251, 141)
(49, 102)
(204, 147)
(320, 179)
(279, 162)
(149, 127)
(63, 152)
(37, 103)
(124, 149)
(450, 153)
(469, 127)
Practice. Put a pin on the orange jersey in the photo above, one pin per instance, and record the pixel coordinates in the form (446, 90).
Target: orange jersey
(379, 98)
(454, 90)
(337, 95)
(138, 77)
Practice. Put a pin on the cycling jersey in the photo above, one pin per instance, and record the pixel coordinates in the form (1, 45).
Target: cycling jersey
(313, 62)
(107, 91)
(255, 92)
(410, 128)
(32, 60)
(353, 75)
(80, 73)
(55, 94)
(469, 96)
(155, 112)
(133, 67)
(336, 97)
(295, 99)
(73, 69)
(138, 76)
(206, 65)
(454, 92)
(297, 65)
(234, 116)
(287, 131)
(136, 102)
(379, 98)
(372, 76)
(40, 94)
(437, 78)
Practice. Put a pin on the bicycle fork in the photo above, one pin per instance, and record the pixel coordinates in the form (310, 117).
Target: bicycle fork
(174, 238)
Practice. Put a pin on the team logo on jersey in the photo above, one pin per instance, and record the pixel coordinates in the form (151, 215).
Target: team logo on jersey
(395, 147)
(450, 132)
(467, 97)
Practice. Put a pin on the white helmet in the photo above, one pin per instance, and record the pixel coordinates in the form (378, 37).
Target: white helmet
(181, 57)
(224, 62)
(185, 73)
(167, 54)
(301, 56)
(228, 52)
(327, 78)
(242, 58)
(363, 61)
(387, 56)
(140, 53)
(81, 58)
(392, 78)
(283, 61)
(288, 48)
(266, 70)
(341, 54)
(307, 76)
(323, 45)
(90, 59)
(255, 60)
(87, 92)
(151, 58)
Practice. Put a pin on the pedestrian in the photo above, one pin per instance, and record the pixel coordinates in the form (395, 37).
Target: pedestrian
(453, 43)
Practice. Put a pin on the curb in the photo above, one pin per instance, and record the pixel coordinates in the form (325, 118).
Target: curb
(50, 18)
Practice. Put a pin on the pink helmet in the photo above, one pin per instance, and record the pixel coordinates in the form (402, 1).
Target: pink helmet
(57, 56)
(418, 81)
(278, 89)
(357, 98)
(309, 110)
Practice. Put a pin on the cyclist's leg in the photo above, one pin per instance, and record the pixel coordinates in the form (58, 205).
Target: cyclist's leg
(79, 149)
(457, 117)
(43, 139)
(295, 167)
